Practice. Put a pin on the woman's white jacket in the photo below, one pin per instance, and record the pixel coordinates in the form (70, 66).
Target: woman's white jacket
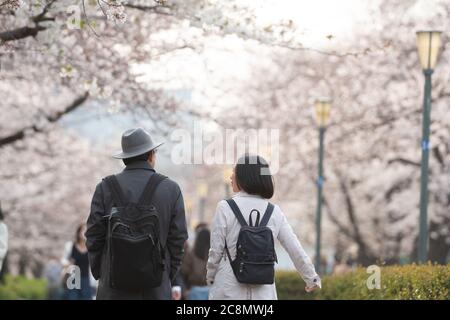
(226, 227)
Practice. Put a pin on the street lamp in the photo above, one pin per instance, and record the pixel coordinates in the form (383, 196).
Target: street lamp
(227, 172)
(428, 43)
(202, 192)
(322, 107)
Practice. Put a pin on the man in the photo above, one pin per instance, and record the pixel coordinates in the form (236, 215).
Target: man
(139, 155)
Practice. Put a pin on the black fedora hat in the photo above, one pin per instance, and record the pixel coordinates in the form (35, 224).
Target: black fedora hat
(136, 142)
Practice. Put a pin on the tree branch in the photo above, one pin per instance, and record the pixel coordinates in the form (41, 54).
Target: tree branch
(41, 16)
(397, 187)
(25, 32)
(338, 224)
(364, 256)
(74, 105)
(350, 209)
(323, 52)
(20, 33)
(19, 135)
(438, 156)
(154, 9)
(404, 161)
(332, 216)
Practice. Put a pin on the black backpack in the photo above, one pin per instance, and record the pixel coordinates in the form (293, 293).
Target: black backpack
(134, 250)
(255, 250)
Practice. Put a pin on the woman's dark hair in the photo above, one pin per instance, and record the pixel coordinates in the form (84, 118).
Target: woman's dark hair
(253, 176)
(201, 244)
(78, 237)
(141, 157)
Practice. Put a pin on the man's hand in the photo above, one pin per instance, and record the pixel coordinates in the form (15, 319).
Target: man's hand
(176, 293)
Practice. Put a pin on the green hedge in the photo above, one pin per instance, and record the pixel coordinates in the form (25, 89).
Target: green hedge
(397, 282)
(17, 288)
(411, 282)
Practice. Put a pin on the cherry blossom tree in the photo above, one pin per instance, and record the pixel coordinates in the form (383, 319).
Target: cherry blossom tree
(53, 63)
(373, 143)
(260, 70)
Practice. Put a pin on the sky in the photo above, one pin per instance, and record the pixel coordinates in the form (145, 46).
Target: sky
(315, 19)
(228, 60)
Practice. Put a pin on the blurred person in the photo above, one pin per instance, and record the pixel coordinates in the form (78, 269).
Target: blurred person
(342, 265)
(3, 242)
(323, 263)
(137, 226)
(76, 254)
(243, 270)
(341, 268)
(52, 273)
(194, 266)
(5, 269)
(330, 263)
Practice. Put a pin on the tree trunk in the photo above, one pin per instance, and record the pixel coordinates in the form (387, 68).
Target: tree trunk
(438, 249)
(364, 256)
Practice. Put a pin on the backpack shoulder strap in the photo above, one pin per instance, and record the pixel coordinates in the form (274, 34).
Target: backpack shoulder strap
(150, 188)
(267, 215)
(237, 212)
(117, 194)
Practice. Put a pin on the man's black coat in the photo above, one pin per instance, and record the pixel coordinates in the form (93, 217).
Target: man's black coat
(168, 201)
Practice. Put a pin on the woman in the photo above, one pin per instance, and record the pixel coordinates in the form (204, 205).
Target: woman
(78, 256)
(194, 266)
(253, 184)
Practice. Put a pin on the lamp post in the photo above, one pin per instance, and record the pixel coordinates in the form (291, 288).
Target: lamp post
(227, 172)
(202, 192)
(428, 43)
(322, 107)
